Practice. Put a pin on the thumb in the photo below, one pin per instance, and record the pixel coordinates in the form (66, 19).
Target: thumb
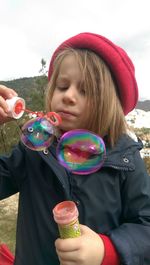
(85, 229)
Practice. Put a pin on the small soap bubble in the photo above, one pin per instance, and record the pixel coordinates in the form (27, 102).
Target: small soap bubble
(37, 134)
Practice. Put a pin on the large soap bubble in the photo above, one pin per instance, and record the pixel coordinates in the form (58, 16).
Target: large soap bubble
(81, 151)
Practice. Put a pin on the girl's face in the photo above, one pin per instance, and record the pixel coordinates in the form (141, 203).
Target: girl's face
(69, 99)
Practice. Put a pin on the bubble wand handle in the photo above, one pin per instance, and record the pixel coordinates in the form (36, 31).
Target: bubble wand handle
(17, 107)
(66, 216)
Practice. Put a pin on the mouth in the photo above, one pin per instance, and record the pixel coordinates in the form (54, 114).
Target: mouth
(66, 114)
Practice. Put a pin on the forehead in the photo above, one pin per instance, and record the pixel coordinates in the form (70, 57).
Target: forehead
(69, 65)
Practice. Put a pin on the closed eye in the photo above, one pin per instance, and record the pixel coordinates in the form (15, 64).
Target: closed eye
(62, 88)
(62, 83)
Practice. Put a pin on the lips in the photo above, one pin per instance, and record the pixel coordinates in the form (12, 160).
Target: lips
(65, 114)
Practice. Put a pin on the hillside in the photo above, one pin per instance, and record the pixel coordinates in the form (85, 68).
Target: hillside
(31, 89)
(138, 118)
(143, 105)
(24, 87)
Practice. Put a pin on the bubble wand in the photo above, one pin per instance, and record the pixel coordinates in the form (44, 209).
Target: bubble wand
(16, 108)
(79, 151)
(37, 133)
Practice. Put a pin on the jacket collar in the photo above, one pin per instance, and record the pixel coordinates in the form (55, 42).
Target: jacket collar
(49, 156)
(121, 156)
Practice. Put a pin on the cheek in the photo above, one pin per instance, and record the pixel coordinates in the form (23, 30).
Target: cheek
(84, 107)
(86, 113)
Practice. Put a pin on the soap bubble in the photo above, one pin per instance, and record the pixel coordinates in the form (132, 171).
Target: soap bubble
(81, 151)
(37, 134)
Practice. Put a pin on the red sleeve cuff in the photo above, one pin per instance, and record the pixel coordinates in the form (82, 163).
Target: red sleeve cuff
(6, 257)
(111, 256)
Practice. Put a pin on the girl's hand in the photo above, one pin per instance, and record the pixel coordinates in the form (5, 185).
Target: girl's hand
(88, 249)
(5, 93)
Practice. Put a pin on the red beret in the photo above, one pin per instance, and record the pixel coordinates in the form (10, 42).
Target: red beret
(117, 60)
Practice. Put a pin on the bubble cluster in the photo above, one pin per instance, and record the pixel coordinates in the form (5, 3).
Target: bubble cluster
(81, 151)
(37, 134)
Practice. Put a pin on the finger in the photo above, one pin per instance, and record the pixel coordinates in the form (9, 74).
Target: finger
(85, 229)
(3, 116)
(3, 104)
(7, 92)
(69, 244)
(2, 113)
(67, 263)
(68, 256)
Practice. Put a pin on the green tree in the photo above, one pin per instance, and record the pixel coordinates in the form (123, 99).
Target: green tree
(33, 91)
(41, 81)
(43, 69)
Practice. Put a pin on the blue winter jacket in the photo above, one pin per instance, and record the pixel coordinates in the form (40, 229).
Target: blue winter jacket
(114, 201)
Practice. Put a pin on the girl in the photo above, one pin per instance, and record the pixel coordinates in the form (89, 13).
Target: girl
(91, 86)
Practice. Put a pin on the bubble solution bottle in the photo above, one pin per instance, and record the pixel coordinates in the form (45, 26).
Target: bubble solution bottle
(16, 106)
(66, 216)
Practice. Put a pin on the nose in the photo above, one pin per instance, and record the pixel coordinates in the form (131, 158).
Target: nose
(70, 95)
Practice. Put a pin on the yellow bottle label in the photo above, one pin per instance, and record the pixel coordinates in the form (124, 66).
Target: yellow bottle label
(70, 230)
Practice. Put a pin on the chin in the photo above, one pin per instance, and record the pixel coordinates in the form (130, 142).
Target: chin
(67, 127)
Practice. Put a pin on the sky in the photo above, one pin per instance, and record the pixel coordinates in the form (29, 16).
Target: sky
(31, 30)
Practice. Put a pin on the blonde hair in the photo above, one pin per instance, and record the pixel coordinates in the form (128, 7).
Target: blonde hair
(106, 117)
